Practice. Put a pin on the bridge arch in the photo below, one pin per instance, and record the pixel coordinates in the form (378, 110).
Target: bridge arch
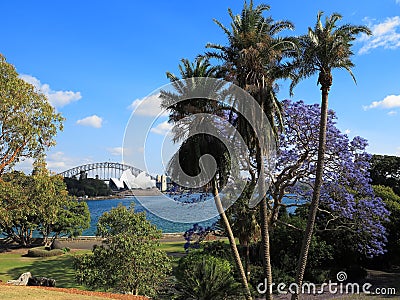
(102, 170)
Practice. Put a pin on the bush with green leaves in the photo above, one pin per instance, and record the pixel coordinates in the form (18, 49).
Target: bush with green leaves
(39, 202)
(392, 202)
(219, 249)
(41, 252)
(202, 276)
(129, 259)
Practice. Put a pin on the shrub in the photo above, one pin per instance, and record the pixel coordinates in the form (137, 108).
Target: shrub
(202, 276)
(41, 252)
(218, 249)
(129, 259)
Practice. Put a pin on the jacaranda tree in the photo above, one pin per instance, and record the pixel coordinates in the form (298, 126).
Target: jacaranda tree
(348, 202)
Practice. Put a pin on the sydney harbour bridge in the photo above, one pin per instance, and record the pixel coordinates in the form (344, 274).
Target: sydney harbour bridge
(102, 170)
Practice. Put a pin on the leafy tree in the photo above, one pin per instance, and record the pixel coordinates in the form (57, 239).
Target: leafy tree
(73, 218)
(392, 202)
(202, 276)
(18, 218)
(28, 123)
(87, 186)
(385, 170)
(129, 259)
(38, 202)
(285, 246)
(252, 59)
(324, 48)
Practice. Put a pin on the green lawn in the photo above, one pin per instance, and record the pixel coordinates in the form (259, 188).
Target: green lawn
(176, 247)
(58, 267)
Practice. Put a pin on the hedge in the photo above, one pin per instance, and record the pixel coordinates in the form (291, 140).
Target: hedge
(41, 252)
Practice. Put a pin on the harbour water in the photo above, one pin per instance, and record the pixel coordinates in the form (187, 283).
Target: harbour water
(168, 211)
(98, 207)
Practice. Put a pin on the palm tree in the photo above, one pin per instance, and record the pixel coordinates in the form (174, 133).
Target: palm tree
(198, 145)
(326, 47)
(253, 57)
(253, 60)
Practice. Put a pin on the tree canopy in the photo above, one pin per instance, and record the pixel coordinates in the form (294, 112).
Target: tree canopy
(385, 170)
(28, 123)
(40, 203)
(129, 259)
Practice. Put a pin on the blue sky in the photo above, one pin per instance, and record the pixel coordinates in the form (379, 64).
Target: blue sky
(94, 59)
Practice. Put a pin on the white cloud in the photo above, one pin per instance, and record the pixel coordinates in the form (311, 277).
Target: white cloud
(25, 165)
(92, 121)
(148, 106)
(56, 98)
(59, 161)
(116, 151)
(392, 113)
(385, 34)
(140, 149)
(347, 131)
(162, 128)
(390, 101)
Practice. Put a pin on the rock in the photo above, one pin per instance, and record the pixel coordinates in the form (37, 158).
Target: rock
(56, 245)
(41, 281)
(22, 280)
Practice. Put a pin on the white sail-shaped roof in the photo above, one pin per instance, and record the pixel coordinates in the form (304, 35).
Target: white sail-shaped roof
(142, 181)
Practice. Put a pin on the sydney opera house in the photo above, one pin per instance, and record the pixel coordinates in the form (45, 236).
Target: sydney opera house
(130, 181)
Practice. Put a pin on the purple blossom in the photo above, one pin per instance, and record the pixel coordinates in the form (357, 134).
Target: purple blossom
(346, 195)
(195, 235)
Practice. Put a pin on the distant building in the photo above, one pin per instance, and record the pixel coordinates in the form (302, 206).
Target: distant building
(130, 181)
(161, 183)
(164, 183)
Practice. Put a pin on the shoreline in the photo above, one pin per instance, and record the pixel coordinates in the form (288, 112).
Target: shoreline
(125, 194)
(85, 242)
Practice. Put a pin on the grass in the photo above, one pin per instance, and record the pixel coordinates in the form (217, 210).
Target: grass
(12, 265)
(22, 292)
(176, 247)
(365, 297)
(59, 268)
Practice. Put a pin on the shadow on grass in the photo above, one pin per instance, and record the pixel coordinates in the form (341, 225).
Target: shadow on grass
(381, 279)
(60, 269)
(172, 246)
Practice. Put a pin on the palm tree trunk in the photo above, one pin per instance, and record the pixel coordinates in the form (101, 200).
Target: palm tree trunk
(246, 254)
(266, 247)
(302, 262)
(231, 238)
(264, 226)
